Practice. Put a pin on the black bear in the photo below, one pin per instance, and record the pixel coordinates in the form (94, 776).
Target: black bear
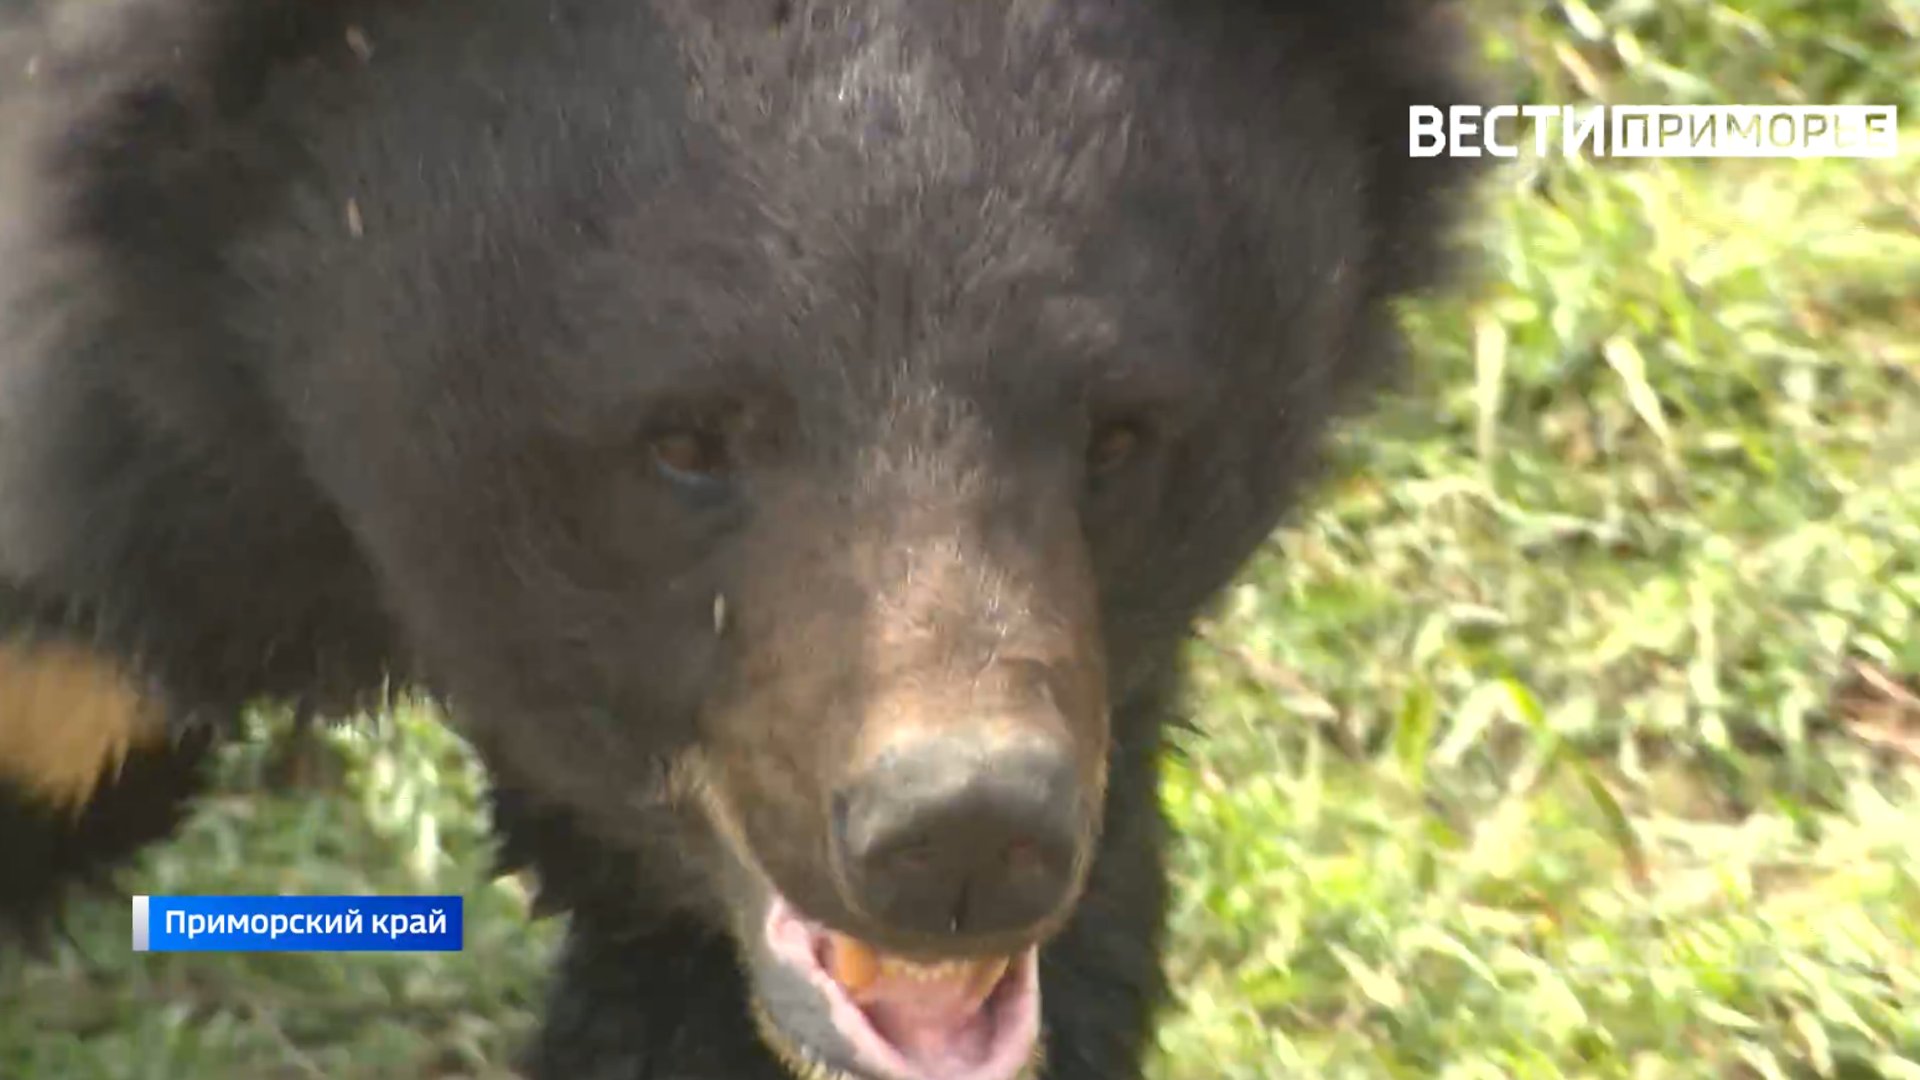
(793, 437)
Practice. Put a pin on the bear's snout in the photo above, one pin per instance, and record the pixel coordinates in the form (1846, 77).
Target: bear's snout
(962, 834)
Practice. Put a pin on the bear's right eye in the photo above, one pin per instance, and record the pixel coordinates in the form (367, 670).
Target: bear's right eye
(692, 457)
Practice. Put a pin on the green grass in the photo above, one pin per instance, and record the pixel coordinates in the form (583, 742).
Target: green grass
(1571, 732)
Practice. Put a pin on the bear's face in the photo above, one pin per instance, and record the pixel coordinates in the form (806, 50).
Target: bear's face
(790, 443)
(857, 626)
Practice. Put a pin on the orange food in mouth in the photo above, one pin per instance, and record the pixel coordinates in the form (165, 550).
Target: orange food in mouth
(867, 973)
(906, 1019)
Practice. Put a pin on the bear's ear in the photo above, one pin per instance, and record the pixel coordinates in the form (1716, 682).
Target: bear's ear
(69, 716)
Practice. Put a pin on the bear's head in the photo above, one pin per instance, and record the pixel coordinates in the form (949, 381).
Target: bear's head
(792, 435)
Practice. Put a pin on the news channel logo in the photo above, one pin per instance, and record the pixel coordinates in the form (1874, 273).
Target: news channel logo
(298, 923)
(1656, 131)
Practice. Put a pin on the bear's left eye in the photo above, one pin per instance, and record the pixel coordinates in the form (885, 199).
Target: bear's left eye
(692, 456)
(1113, 445)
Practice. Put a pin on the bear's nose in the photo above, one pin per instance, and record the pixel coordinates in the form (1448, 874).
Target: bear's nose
(952, 835)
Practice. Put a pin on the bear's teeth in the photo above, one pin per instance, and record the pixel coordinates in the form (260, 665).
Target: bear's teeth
(944, 971)
(857, 966)
(987, 975)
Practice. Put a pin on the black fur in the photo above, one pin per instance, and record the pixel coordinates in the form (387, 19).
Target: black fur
(333, 332)
(51, 852)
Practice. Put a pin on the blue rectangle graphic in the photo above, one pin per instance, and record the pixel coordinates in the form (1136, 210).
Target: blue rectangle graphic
(298, 923)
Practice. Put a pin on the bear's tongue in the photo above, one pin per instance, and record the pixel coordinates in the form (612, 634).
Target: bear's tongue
(933, 1014)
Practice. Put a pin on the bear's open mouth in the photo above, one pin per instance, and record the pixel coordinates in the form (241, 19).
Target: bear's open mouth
(957, 1020)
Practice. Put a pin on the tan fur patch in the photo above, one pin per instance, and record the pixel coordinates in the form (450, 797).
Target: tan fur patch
(68, 719)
